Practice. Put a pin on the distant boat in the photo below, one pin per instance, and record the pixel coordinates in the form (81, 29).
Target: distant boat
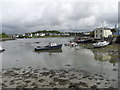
(71, 44)
(101, 44)
(83, 40)
(52, 46)
(1, 49)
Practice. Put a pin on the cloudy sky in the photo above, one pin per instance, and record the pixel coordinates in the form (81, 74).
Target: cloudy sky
(30, 15)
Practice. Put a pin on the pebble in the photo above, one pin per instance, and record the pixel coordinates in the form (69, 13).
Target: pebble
(45, 73)
(74, 85)
(28, 80)
(41, 80)
(52, 84)
(83, 84)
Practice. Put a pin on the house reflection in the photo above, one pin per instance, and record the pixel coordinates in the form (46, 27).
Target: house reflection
(100, 56)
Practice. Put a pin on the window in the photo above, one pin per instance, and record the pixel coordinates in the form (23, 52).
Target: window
(96, 31)
(101, 31)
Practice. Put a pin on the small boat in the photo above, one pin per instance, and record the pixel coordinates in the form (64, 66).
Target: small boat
(83, 40)
(1, 49)
(101, 44)
(71, 44)
(52, 46)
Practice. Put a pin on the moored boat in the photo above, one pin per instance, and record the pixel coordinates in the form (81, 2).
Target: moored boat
(48, 47)
(71, 44)
(1, 49)
(84, 40)
(101, 44)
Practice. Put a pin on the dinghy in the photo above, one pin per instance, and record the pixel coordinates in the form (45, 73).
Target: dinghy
(1, 49)
(101, 44)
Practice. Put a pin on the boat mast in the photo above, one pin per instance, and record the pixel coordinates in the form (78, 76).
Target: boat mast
(102, 24)
(103, 27)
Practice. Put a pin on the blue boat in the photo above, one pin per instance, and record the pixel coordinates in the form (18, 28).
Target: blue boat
(48, 47)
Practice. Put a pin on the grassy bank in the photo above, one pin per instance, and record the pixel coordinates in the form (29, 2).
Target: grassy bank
(114, 47)
(4, 35)
(45, 36)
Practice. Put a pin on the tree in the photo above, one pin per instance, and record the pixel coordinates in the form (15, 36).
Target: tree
(4, 35)
(92, 34)
(113, 30)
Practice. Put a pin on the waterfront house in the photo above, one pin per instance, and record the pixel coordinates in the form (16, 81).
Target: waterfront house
(86, 33)
(100, 33)
(42, 34)
(23, 35)
(30, 35)
(37, 34)
(66, 34)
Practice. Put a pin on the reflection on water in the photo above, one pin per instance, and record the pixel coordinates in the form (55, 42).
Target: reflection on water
(102, 56)
(49, 51)
(105, 56)
(20, 53)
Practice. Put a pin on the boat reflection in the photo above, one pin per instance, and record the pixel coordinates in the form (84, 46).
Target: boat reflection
(49, 51)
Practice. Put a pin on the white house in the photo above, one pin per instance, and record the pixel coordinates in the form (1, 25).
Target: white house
(100, 33)
(86, 33)
(23, 35)
(42, 34)
(30, 35)
(37, 34)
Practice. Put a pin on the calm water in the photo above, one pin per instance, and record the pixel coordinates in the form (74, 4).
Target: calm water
(19, 53)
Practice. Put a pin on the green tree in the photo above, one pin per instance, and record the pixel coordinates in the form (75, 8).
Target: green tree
(113, 30)
(92, 34)
(4, 35)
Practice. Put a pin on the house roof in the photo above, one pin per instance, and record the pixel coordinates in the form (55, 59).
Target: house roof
(103, 29)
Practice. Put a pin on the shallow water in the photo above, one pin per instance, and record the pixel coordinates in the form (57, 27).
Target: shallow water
(20, 53)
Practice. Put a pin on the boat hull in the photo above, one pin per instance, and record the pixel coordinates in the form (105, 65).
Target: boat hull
(99, 45)
(2, 50)
(84, 41)
(49, 48)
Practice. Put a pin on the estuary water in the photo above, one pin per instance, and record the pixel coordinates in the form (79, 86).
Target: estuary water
(20, 53)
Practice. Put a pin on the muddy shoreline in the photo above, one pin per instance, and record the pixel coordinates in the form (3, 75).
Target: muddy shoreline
(54, 78)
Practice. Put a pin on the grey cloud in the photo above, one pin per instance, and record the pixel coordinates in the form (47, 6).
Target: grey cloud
(82, 16)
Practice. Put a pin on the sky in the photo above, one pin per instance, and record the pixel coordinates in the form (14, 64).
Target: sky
(21, 16)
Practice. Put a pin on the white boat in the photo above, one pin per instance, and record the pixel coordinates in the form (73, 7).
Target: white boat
(71, 44)
(101, 44)
(1, 49)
